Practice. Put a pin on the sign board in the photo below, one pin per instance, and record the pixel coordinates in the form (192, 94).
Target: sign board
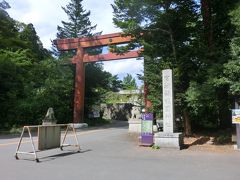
(236, 116)
(49, 137)
(147, 129)
(96, 114)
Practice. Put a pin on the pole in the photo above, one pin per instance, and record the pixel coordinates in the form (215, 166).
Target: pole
(237, 127)
(78, 114)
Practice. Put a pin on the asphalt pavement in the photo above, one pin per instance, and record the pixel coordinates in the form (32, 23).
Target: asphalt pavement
(111, 153)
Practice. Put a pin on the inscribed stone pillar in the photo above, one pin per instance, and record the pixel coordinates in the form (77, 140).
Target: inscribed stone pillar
(168, 138)
(168, 101)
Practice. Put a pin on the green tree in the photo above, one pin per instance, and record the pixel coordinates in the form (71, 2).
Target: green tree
(52, 87)
(215, 32)
(114, 83)
(230, 76)
(28, 35)
(78, 24)
(8, 32)
(31, 80)
(192, 38)
(166, 29)
(14, 73)
(129, 83)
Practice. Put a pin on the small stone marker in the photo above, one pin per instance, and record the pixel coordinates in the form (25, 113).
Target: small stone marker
(49, 134)
(49, 118)
(134, 123)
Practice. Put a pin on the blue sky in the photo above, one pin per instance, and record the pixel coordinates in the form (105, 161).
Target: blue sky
(45, 15)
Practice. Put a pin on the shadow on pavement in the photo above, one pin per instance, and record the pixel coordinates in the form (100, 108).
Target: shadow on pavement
(53, 157)
(199, 141)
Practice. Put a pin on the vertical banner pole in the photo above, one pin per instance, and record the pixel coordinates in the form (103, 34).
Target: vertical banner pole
(236, 120)
(238, 135)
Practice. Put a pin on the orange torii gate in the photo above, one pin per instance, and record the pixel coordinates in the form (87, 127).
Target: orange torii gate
(81, 57)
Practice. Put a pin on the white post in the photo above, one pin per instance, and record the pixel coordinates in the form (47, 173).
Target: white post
(237, 128)
(238, 135)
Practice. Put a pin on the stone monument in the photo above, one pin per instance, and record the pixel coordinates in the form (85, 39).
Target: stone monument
(49, 134)
(49, 118)
(168, 138)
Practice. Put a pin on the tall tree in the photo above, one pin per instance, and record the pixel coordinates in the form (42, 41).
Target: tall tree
(231, 72)
(28, 34)
(114, 83)
(78, 24)
(191, 37)
(8, 32)
(215, 32)
(129, 83)
(166, 29)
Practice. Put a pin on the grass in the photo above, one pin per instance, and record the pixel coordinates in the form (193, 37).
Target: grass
(223, 137)
(155, 147)
(14, 130)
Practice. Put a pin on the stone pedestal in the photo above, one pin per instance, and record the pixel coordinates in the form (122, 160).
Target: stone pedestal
(168, 140)
(134, 126)
(135, 120)
(49, 137)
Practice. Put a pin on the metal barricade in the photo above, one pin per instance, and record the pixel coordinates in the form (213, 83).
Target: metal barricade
(49, 137)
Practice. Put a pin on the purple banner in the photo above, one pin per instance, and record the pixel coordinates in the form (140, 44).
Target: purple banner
(148, 116)
(146, 129)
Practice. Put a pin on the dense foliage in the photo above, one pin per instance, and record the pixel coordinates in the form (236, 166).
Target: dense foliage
(31, 80)
(129, 83)
(199, 40)
(23, 72)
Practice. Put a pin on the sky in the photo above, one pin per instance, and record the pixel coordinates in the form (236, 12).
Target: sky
(46, 15)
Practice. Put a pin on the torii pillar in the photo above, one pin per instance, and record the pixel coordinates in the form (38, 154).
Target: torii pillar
(79, 86)
(81, 57)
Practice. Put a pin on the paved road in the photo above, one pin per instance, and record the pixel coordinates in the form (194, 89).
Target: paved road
(113, 154)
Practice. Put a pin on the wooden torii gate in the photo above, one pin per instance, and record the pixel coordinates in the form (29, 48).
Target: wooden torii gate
(81, 57)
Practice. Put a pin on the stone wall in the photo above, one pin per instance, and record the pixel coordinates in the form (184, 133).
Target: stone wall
(123, 112)
(119, 111)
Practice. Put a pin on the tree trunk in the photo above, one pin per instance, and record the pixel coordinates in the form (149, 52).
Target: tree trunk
(224, 114)
(147, 102)
(207, 22)
(187, 123)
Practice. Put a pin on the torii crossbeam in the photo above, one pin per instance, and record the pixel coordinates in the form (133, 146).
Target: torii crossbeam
(81, 57)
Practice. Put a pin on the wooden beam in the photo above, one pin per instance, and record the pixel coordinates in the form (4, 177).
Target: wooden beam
(110, 56)
(102, 40)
